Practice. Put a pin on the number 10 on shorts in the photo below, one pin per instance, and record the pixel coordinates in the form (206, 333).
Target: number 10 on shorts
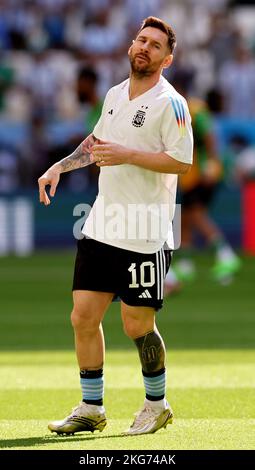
(147, 268)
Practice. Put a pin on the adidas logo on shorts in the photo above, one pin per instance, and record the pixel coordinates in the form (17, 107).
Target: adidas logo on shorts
(145, 295)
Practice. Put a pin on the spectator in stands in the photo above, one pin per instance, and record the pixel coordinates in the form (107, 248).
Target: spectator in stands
(237, 82)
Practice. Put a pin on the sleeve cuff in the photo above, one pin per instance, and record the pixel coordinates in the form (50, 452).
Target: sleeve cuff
(178, 157)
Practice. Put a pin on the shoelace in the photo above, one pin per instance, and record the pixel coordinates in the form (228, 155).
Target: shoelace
(79, 410)
(142, 416)
(74, 411)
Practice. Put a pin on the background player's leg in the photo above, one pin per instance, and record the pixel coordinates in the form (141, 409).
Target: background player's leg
(204, 224)
(227, 262)
(184, 267)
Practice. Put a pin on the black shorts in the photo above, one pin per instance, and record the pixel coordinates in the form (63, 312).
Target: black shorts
(136, 278)
(200, 194)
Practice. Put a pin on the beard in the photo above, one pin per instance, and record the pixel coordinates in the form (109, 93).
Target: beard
(144, 69)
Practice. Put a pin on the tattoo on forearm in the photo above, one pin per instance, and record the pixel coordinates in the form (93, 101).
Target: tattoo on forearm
(78, 159)
(152, 352)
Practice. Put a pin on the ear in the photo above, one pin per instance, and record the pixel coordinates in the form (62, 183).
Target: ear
(168, 61)
(129, 50)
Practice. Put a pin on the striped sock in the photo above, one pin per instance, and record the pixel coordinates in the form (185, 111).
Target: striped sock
(92, 386)
(155, 384)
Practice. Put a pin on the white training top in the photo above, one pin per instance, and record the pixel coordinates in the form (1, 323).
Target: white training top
(134, 208)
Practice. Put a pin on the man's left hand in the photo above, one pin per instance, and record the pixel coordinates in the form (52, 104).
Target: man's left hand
(109, 154)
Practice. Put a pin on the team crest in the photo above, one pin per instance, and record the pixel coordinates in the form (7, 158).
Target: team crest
(139, 118)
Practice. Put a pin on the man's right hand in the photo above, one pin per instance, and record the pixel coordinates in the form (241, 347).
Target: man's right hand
(50, 177)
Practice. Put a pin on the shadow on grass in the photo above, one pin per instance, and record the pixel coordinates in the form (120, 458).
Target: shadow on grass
(38, 441)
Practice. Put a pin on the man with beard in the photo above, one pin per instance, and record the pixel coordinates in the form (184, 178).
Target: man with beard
(141, 142)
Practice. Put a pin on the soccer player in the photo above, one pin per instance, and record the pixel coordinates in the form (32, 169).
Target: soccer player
(141, 142)
(198, 188)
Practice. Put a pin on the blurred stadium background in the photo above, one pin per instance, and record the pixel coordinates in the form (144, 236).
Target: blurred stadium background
(57, 60)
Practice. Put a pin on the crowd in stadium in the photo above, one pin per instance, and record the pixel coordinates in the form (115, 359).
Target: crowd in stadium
(59, 57)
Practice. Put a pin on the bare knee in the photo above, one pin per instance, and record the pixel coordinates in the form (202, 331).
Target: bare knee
(137, 321)
(84, 320)
(135, 328)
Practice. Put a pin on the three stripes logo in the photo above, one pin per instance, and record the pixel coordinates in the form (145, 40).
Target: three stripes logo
(145, 295)
(179, 114)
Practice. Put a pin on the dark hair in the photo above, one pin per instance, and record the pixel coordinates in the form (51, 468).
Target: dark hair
(215, 100)
(154, 22)
(88, 73)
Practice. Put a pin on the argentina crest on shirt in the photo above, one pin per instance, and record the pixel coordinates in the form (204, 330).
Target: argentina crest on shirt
(139, 118)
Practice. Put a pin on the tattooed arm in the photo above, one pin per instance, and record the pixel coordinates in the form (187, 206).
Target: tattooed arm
(78, 159)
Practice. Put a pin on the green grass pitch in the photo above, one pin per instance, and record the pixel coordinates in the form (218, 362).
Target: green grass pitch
(209, 334)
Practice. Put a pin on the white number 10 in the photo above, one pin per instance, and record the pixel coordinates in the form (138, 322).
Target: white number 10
(145, 264)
